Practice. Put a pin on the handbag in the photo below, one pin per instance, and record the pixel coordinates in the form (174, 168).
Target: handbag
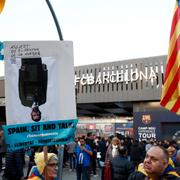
(107, 171)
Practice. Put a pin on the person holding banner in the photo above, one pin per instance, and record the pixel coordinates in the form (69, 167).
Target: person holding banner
(14, 162)
(46, 167)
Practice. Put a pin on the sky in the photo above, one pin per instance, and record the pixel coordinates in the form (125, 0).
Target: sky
(101, 30)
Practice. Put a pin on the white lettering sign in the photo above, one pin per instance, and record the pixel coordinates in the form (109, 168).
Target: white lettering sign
(127, 76)
(146, 133)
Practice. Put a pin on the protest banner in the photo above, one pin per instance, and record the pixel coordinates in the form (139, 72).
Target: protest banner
(40, 93)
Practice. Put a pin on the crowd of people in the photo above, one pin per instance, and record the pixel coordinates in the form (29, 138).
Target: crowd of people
(127, 159)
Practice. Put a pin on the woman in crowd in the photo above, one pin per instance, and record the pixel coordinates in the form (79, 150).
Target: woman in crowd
(43, 170)
(113, 149)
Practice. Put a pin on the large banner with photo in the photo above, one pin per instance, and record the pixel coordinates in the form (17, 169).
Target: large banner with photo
(40, 93)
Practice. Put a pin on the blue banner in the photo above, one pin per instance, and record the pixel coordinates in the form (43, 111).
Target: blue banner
(39, 134)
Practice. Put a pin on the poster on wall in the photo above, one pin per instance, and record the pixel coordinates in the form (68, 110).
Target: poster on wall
(146, 129)
(40, 93)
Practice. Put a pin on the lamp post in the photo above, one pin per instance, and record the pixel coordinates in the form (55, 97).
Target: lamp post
(55, 20)
(61, 147)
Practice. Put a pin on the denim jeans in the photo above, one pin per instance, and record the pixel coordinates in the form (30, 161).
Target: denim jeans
(72, 161)
(82, 172)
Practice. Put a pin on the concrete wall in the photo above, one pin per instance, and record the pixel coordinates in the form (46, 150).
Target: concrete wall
(138, 90)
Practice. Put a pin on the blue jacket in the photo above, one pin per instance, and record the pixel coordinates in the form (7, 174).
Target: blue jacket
(86, 156)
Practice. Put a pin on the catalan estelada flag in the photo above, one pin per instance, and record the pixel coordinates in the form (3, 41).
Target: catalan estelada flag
(2, 2)
(171, 90)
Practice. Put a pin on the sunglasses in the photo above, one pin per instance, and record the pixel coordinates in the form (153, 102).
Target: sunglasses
(52, 164)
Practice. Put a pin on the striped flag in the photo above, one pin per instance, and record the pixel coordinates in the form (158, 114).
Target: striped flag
(2, 2)
(170, 98)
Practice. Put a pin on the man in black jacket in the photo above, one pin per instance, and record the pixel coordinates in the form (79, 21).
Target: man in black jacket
(155, 166)
(121, 167)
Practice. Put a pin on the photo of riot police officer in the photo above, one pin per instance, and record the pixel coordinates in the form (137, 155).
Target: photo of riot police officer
(33, 77)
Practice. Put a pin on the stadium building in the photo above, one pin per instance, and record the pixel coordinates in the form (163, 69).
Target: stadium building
(121, 97)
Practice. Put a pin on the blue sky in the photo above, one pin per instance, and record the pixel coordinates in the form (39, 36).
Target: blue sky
(101, 30)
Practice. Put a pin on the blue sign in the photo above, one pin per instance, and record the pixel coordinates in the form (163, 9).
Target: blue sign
(39, 134)
(124, 125)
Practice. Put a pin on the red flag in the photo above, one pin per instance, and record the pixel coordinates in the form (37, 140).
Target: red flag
(170, 98)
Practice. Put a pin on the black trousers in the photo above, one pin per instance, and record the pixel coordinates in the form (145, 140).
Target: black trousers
(1, 158)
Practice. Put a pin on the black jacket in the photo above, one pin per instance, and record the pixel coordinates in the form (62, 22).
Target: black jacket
(14, 165)
(141, 176)
(121, 168)
(136, 152)
(102, 149)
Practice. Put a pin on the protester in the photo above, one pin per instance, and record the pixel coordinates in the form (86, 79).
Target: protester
(83, 153)
(149, 144)
(14, 163)
(178, 158)
(102, 150)
(65, 156)
(70, 149)
(177, 168)
(113, 149)
(2, 148)
(128, 144)
(90, 141)
(31, 152)
(121, 167)
(155, 166)
(44, 170)
(136, 153)
(172, 152)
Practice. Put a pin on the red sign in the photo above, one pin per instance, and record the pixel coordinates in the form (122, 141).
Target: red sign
(91, 126)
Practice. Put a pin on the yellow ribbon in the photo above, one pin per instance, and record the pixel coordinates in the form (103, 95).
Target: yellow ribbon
(2, 3)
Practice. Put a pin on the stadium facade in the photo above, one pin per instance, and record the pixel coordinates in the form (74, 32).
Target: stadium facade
(121, 97)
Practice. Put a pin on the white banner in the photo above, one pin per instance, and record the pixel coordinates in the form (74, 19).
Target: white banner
(39, 77)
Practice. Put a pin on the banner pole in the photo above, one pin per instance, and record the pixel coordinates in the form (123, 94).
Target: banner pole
(45, 150)
(60, 158)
